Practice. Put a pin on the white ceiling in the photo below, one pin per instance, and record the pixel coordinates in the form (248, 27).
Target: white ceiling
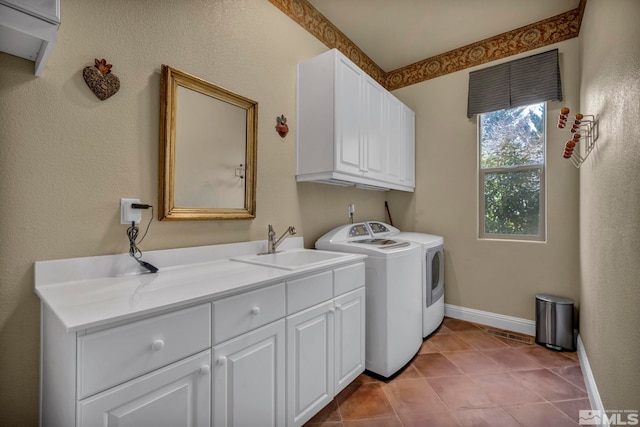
(395, 33)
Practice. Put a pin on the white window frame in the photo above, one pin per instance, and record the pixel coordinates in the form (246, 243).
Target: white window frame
(542, 228)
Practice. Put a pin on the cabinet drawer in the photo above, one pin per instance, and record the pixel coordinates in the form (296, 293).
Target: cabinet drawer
(115, 355)
(307, 291)
(236, 315)
(348, 278)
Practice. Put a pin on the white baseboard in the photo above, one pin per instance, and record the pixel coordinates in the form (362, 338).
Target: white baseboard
(500, 321)
(590, 382)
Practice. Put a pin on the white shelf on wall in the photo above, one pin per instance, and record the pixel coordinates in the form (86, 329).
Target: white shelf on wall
(29, 29)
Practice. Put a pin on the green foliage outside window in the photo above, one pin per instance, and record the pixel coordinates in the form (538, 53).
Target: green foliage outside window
(511, 164)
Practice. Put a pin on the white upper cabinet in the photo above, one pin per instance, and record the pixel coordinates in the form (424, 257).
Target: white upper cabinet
(29, 29)
(346, 128)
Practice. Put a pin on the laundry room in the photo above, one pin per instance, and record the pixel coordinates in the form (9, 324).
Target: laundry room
(362, 172)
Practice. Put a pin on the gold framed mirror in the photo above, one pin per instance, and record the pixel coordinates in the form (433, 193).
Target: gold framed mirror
(208, 146)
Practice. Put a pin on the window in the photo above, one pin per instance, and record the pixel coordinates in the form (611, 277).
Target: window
(511, 177)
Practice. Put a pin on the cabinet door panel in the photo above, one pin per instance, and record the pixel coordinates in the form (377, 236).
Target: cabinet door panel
(349, 337)
(348, 95)
(310, 374)
(178, 395)
(375, 138)
(248, 379)
(409, 143)
(395, 133)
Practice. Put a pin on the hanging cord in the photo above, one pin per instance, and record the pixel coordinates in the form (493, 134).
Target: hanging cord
(134, 251)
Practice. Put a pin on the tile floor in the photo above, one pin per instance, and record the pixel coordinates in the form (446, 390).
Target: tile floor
(463, 376)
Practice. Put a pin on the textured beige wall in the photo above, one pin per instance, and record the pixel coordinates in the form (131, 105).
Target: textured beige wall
(67, 158)
(610, 200)
(496, 276)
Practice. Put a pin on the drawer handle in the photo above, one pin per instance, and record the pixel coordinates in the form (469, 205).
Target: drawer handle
(255, 311)
(222, 360)
(205, 370)
(157, 345)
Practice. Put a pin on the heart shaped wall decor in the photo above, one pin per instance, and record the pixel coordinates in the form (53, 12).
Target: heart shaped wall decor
(102, 82)
(281, 126)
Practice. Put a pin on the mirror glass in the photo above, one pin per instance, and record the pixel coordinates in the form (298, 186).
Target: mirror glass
(207, 150)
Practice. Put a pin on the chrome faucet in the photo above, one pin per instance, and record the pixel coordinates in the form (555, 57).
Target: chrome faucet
(272, 243)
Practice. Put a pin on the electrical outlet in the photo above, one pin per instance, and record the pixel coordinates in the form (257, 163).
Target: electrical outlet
(127, 213)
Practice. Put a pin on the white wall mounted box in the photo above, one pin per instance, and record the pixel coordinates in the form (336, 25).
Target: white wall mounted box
(351, 131)
(29, 29)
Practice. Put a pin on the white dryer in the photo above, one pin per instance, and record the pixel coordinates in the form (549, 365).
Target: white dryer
(393, 309)
(432, 271)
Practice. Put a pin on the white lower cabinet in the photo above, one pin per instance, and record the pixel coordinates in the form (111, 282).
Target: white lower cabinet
(310, 375)
(270, 357)
(351, 131)
(176, 395)
(325, 352)
(248, 379)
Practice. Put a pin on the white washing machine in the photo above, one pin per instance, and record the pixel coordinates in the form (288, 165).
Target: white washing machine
(432, 271)
(393, 311)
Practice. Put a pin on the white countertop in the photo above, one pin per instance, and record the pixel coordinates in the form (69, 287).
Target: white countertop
(94, 291)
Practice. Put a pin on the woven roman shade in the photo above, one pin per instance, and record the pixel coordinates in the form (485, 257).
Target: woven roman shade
(513, 84)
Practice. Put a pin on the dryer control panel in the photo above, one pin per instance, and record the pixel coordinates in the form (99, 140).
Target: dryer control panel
(378, 227)
(358, 230)
(365, 233)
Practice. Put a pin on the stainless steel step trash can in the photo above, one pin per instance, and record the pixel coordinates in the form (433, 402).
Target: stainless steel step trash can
(554, 322)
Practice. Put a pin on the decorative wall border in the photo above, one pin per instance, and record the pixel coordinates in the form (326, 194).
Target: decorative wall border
(309, 18)
(539, 34)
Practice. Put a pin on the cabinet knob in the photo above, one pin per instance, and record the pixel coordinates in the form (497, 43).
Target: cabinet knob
(255, 311)
(332, 310)
(222, 360)
(205, 370)
(157, 345)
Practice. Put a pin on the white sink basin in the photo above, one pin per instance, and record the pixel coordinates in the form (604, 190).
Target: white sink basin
(293, 259)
